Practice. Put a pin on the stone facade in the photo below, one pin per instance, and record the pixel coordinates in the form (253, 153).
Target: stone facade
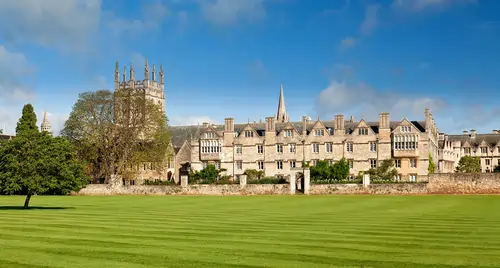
(278, 146)
(462, 183)
(454, 147)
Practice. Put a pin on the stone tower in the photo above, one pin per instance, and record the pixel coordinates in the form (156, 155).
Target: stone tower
(45, 126)
(282, 116)
(149, 86)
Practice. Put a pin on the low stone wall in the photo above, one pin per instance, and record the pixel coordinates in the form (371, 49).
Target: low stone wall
(229, 189)
(464, 183)
(381, 189)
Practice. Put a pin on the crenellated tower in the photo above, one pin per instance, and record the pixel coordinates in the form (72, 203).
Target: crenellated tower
(152, 89)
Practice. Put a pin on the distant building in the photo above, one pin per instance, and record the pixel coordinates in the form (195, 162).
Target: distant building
(45, 126)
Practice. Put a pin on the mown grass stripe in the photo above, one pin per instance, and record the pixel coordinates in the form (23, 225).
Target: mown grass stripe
(252, 231)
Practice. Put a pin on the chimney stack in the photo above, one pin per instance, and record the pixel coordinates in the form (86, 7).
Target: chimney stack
(472, 133)
(339, 124)
(304, 126)
(465, 132)
(229, 124)
(205, 124)
(384, 120)
(496, 131)
(270, 124)
(352, 119)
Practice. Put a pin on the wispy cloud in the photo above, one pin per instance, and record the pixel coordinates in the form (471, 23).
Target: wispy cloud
(348, 42)
(371, 19)
(229, 12)
(422, 5)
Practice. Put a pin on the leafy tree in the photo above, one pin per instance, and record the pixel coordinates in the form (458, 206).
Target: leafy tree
(497, 169)
(326, 173)
(469, 164)
(385, 172)
(208, 175)
(115, 132)
(37, 163)
(432, 167)
(253, 174)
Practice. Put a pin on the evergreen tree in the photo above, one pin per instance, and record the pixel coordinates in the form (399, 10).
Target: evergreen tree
(34, 163)
(432, 167)
(27, 122)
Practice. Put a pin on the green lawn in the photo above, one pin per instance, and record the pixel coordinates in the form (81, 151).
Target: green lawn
(251, 231)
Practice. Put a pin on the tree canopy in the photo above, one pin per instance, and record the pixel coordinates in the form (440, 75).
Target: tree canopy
(323, 172)
(114, 132)
(469, 164)
(385, 172)
(37, 163)
(497, 169)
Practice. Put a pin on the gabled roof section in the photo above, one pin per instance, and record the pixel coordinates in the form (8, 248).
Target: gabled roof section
(319, 125)
(211, 129)
(250, 127)
(406, 122)
(287, 126)
(362, 124)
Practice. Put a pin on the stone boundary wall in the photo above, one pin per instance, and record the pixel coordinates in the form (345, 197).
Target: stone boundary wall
(464, 183)
(376, 189)
(450, 183)
(229, 189)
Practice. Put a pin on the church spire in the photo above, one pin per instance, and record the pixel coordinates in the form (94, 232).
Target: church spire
(282, 116)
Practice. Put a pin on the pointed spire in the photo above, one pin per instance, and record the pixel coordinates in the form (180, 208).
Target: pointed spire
(282, 116)
(124, 73)
(154, 73)
(117, 72)
(146, 71)
(132, 73)
(162, 78)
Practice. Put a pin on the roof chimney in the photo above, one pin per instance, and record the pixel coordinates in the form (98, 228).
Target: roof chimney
(473, 133)
(205, 124)
(465, 132)
(496, 131)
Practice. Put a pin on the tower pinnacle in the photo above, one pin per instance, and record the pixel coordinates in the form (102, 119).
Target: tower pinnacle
(45, 126)
(282, 116)
(146, 71)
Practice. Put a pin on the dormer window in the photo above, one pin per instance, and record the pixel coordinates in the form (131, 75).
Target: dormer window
(248, 133)
(288, 133)
(466, 150)
(319, 132)
(484, 150)
(363, 131)
(405, 128)
(209, 135)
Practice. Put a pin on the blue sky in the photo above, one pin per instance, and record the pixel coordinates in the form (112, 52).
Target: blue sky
(227, 58)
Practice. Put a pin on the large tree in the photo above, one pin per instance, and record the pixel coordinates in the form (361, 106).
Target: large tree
(37, 163)
(385, 172)
(469, 164)
(116, 131)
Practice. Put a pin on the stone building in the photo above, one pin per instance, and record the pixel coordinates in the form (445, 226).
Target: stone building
(278, 145)
(454, 147)
(154, 89)
(45, 126)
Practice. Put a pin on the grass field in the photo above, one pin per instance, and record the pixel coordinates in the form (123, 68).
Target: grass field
(251, 231)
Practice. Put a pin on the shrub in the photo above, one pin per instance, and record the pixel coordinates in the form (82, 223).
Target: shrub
(325, 173)
(158, 182)
(268, 180)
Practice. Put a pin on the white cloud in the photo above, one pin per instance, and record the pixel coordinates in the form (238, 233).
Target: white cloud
(151, 17)
(363, 100)
(421, 5)
(68, 24)
(348, 42)
(228, 12)
(189, 120)
(371, 19)
(14, 92)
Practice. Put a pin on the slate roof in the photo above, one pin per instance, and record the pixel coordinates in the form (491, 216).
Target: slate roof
(181, 133)
(492, 139)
